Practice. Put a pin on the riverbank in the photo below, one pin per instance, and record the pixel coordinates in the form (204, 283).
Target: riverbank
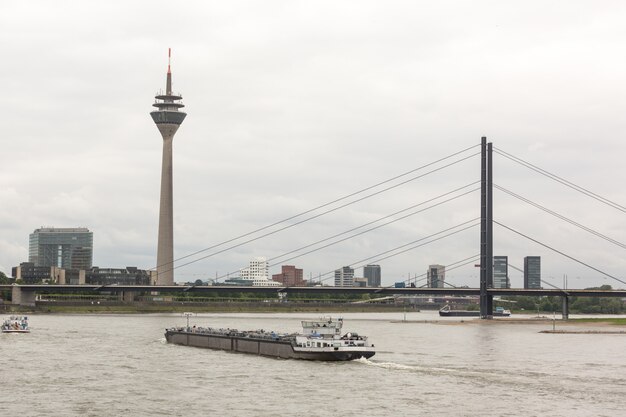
(584, 331)
(319, 308)
(217, 307)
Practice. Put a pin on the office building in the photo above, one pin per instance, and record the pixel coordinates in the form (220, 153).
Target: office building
(290, 276)
(28, 273)
(372, 274)
(360, 282)
(436, 276)
(68, 248)
(344, 277)
(257, 274)
(168, 118)
(119, 276)
(532, 272)
(501, 272)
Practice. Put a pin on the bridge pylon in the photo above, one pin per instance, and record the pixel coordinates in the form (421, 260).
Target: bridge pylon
(486, 228)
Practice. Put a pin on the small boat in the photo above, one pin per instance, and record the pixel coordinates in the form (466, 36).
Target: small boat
(15, 324)
(446, 311)
(501, 312)
(320, 340)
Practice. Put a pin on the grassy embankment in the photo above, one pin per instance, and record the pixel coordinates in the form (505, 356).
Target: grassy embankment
(207, 308)
(620, 321)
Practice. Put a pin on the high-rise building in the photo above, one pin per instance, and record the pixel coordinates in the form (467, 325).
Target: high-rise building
(167, 118)
(69, 248)
(436, 276)
(501, 272)
(344, 277)
(532, 272)
(290, 276)
(372, 274)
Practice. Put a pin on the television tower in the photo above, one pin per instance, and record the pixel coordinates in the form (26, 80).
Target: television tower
(167, 119)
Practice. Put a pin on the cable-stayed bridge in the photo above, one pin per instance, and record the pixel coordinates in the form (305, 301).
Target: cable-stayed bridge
(484, 222)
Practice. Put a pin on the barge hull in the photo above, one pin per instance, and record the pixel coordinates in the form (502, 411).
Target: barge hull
(262, 347)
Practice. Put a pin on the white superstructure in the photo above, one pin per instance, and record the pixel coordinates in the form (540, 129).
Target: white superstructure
(324, 335)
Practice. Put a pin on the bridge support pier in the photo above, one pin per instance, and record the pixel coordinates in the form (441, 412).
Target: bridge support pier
(22, 297)
(565, 307)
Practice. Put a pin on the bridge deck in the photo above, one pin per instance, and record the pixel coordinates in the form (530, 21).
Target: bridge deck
(317, 290)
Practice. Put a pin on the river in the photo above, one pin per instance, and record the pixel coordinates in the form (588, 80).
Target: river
(113, 365)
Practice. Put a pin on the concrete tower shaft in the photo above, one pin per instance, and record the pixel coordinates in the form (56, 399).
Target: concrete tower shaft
(167, 118)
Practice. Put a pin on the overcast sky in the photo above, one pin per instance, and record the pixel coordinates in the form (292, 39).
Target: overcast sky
(293, 104)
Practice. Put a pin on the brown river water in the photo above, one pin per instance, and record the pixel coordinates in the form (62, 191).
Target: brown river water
(120, 365)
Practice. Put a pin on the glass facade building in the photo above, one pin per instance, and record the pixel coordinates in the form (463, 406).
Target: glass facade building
(69, 248)
(372, 274)
(532, 272)
(501, 272)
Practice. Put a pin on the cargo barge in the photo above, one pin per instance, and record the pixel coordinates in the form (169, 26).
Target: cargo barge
(447, 312)
(320, 340)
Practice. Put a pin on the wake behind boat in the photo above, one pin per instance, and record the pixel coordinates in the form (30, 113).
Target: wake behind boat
(15, 324)
(320, 340)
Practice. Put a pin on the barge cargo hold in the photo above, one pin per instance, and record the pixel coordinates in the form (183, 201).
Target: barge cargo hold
(320, 340)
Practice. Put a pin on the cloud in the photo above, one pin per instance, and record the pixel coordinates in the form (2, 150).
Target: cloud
(294, 104)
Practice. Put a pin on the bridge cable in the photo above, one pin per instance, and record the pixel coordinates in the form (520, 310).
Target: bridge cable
(318, 215)
(379, 254)
(545, 282)
(561, 253)
(562, 217)
(449, 267)
(372, 228)
(366, 261)
(562, 181)
(423, 276)
(333, 202)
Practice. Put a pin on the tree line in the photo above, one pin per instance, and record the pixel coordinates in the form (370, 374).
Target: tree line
(583, 305)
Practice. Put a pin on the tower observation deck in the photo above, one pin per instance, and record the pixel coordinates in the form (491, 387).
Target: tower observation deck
(168, 118)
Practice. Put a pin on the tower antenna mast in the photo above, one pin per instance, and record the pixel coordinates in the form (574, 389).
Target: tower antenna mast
(168, 119)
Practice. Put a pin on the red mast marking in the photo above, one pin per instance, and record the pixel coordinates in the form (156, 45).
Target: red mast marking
(169, 59)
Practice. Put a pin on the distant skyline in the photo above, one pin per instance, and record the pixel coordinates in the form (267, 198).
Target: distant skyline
(295, 104)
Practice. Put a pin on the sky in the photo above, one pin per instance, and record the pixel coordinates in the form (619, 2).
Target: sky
(295, 104)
